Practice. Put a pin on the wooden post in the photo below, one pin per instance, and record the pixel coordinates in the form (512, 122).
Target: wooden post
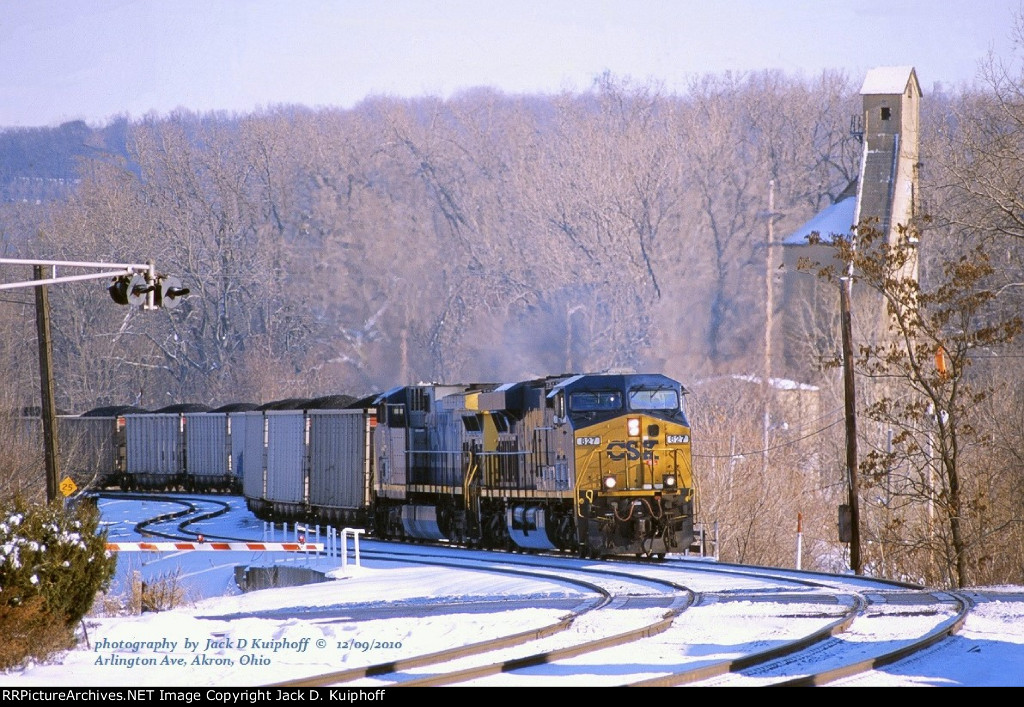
(49, 408)
(851, 421)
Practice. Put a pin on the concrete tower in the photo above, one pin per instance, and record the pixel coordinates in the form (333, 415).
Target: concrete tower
(884, 197)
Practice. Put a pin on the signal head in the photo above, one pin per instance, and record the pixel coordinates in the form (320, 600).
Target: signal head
(129, 290)
(169, 292)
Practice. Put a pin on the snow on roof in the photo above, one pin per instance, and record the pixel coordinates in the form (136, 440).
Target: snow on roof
(567, 381)
(837, 219)
(777, 383)
(887, 80)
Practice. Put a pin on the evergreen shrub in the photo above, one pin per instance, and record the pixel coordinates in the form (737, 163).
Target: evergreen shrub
(53, 562)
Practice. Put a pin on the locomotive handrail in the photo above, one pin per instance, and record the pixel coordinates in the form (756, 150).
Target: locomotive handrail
(580, 478)
(467, 482)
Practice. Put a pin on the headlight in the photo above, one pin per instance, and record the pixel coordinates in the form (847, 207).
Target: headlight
(609, 482)
(677, 439)
(669, 480)
(633, 426)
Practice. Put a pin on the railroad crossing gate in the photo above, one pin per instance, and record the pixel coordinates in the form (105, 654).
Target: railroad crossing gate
(214, 546)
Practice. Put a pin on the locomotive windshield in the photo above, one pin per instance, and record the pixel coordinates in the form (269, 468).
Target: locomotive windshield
(586, 401)
(663, 399)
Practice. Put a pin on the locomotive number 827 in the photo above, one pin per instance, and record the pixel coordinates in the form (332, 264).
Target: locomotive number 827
(595, 464)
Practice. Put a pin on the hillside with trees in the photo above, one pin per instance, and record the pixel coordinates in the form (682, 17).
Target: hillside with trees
(493, 237)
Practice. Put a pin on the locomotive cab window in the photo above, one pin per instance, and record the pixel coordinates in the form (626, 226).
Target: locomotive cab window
(587, 401)
(501, 423)
(472, 423)
(665, 399)
(559, 406)
(396, 415)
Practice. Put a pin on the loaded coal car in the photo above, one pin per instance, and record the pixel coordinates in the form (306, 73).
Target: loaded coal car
(155, 448)
(310, 461)
(92, 445)
(215, 449)
(274, 483)
(340, 461)
(92, 449)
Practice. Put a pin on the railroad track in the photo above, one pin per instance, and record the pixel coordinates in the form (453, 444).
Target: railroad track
(651, 606)
(654, 624)
(172, 522)
(828, 640)
(847, 647)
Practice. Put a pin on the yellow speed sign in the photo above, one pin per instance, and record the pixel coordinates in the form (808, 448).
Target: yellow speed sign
(67, 486)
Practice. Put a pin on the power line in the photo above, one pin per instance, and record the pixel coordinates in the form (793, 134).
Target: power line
(770, 449)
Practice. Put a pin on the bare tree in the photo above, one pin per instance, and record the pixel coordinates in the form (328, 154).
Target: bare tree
(924, 393)
(103, 354)
(760, 498)
(609, 197)
(745, 133)
(217, 195)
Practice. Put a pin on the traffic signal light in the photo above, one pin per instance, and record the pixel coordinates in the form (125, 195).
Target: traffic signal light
(169, 292)
(130, 289)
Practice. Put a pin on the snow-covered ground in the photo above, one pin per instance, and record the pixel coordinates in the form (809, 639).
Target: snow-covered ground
(226, 638)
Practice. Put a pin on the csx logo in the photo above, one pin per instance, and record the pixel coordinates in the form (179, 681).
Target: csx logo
(631, 450)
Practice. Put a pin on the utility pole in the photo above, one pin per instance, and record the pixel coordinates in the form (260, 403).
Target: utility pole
(49, 409)
(132, 284)
(845, 293)
(769, 313)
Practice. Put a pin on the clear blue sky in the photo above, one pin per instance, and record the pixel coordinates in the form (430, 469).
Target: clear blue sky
(96, 59)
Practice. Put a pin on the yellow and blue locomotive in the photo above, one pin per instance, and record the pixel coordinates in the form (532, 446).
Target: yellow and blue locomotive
(597, 464)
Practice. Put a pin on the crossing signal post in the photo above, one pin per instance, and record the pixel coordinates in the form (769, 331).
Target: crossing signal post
(49, 409)
(131, 284)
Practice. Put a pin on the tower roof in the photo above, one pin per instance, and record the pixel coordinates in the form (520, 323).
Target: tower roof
(836, 220)
(889, 80)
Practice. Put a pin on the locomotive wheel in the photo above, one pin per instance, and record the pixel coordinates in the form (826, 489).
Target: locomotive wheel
(589, 553)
